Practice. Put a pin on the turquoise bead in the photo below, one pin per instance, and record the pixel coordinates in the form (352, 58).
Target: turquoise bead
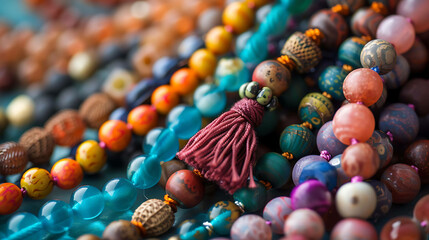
(321, 171)
(87, 202)
(349, 51)
(184, 120)
(331, 81)
(209, 100)
(190, 224)
(275, 22)
(222, 215)
(256, 49)
(273, 168)
(296, 6)
(316, 109)
(144, 171)
(119, 194)
(297, 140)
(253, 199)
(56, 216)
(231, 73)
(162, 143)
(198, 233)
(24, 221)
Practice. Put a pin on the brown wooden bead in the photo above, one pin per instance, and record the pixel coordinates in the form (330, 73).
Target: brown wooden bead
(88, 237)
(155, 216)
(333, 26)
(39, 145)
(417, 154)
(186, 188)
(96, 110)
(13, 158)
(402, 181)
(421, 211)
(303, 51)
(272, 74)
(168, 168)
(67, 127)
(121, 230)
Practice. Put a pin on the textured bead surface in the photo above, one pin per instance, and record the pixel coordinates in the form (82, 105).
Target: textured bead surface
(401, 121)
(363, 85)
(353, 228)
(384, 199)
(186, 188)
(96, 109)
(297, 140)
(331, 81)
(222, 208)
(10, 198)
(356, 200)
(306, 223)
(382, 145)
(121, 230)
(67, 127)
(378, 53)
(316, 109)
(37, 182)
(250, 227)
(39, 145)
(277, 211)
(333, 26)
(402, 181)
(13, 158)
(272, 74)
(303, 51)
(417, 154)
(155, 216)
(67, 172)
(360, 160)
(327, 141)
(365, 22)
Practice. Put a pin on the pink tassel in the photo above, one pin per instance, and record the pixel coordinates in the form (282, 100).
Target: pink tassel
(224, 151)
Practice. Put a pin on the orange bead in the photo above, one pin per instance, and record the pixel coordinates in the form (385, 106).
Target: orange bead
(164, 98)
(184, 81)
(203, 62)
(353, 121)
(238, 16)
(10, 198)
(360, 160)
(115, 134)
(91, 156)
(218, 40)
(143, 119)
(67, 173)
(363, 85)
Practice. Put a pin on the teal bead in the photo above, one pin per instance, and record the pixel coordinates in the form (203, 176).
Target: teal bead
(184, 120)
(252, 90)
(134, 165)
(87, 202)
(198, 233)
(275, 22)
(119, 194)
(242, 90)
(297, 140)
(162, 143)
(273, 168)
(56, 216)
(269, 123)
(222, 215)
(331, 81)
(252, 199)
(209, 100)
(264, 96)
(296, 6)
(231, 73)
(293, 95)
(255, 50)
(349, 51)
(316, 109)
(24, 221)
(190, 224)
(144, 171)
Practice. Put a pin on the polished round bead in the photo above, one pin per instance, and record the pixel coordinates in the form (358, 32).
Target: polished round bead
(403, 182)
(218, 40)
(67, 127)
(403, 39)
(161, 143)
(252, 199)
(67, 173)
(297, 140)
(342, 177)
(321, 171)
(250, 227)
(184, 120)
(306, 223)
(20, 111)
(382, 145)
(353, 121)
(421, 210)
(142, 118)
(121, 230)
(56, 216)
(301, 163)
(186, 188)
(331, 81)
(277, 211)
(91, 156)
(356, 200)
(384, 199)
(37, 182)
(184, 81)
(417, 154)
(115, 134)
(349, 51)
(353, 228)
(414, 92)
(400, 120)
(360, 160)
(415, 12)
(144, 171)
(365, 22)
(363, 85)
(10, 198)
(82, 65)
(313, 195)
(379, 54)
(119, 194)
(333, 26)
(87, 201)
(417, 56)
(316, 109)
(327, 141)
(203, 62)
(168, 168)
(13, 158)
(222, 208)
(238, 16)
(209, 100)
(231, 73)
(272, 74)
(401, 228)
(399, 75)
(164, 98)
(264, 96)
(23, 220)
(273, 168)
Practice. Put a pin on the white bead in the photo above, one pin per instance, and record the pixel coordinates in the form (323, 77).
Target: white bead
(356, 200)
(82, 65)
(20, 111)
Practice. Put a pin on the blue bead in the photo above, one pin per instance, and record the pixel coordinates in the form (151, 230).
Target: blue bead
(87, 202)
(256, 49)
(400, 120)
(231, 73)
(142, 91)
(331, 81)
(184, 120)
(189, 45)
(275, 22)
(161, 67)
(119, 194)
(144, 171)
(119, 114)
(190, 224)
(162, 143)
(209, 100)
(22, 222)
(56, 216)
(321, 171)
(198, 233)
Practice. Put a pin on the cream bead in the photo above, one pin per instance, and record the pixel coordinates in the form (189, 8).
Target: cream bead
(356, 200)
(20, 111)
(82, 65)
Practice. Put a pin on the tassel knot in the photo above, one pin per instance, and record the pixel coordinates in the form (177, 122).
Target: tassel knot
(251, 111)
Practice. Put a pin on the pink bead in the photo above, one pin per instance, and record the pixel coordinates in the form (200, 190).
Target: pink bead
(304, 222)
(363, 85)
(417, 11)
(398, 31)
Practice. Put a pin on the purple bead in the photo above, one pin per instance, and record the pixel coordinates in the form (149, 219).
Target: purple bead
(250, 227)
(384, 199)
(276, 211)
(400, 120)
(311, 194)
(381, 143)
(326, 140)
(301, 163)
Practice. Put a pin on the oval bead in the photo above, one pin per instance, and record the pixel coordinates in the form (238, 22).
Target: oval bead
(382, 145)
(420, 211)
(349, 51)
(155, 216)
(142, 118)
(161, 143)
(402, 181)
(301, 163)
(210, 100)
(306, 223)
(67, 127)
(251, 90)
(232, 211)
(238, 16)
(272, 74)
(378, 53)
(360, 160)
(87, 202)
(316, 109)
(24, 220)
(313, 195)
(356, 200)
(37, 182)
(56, 216)
(403, 39)
(144, 171)
(13, 158)
(327, 141)
(119, 194)
(115, 134)
(91, 156)
(331, 81)
(273, 168)
(250, 227)
(304, 52)
(321, 171)
(401, 121)
(186, 188)
(297, 140)
(277, 211)
(231, 73)
(363, 85)
(67, 173)
(252, 199)
(184, 120)
(10, 198)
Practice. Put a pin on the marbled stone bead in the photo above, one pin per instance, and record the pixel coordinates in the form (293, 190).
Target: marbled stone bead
(378, 53)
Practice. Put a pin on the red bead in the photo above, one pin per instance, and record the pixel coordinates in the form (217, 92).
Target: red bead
(164, 98)
(403, 181)
(363, 85)
(67, 173)
(417, 154)
(421, 211)
(401, 228)
(10, 198)
(272, 74)
(360, 160)
(353, 228)
(186, 188)
(115, 134)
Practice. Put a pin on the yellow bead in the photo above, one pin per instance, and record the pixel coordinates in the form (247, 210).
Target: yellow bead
(203, 62)
(218, 40)
(37, 182)
(239, 16)
(91, 156)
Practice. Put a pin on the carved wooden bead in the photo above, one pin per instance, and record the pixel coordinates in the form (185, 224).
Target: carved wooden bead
(303, 51)
(121, 230)
(67, 127)
(155, 216)
(39, 145)
(96, 109)
(13, 158)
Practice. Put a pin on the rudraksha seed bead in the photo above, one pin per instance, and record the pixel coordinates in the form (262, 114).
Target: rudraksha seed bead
(155, 216)
(96, 109)
(39, 145)
(67, 127)
(13, 158)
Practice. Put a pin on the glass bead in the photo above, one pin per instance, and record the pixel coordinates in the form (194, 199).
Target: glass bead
(402, 227)
(10, 198)
(189, 45)
(277, 211)
(164, 98)
(238, 16)
(332, 25)
(250, 227)
(379, 54)
(316, 109)
(210, 100)
(401, 120)
(144, 171)
(143, 118)
(415, 92)
(218, 40)
(360, 160)
(327, 141)
(203, 62)
(185, 187)
(384, 199)
(382, 145)
(56, 216)
(122, 229)
(311, 194)
(353, 121)
(342, 177)
(67, 172)
(321, 171)
(273, 168)
(184, 120)
(331, 81)
(363, 85)
(24, 222)
(231, 73)
(399, 75)
(87, 202)
(272, 74)
(14, 158)
(352, 228)
(232, 211)
(356, 200)
(417, 154)
(297, 140)
(404, 35)
(184, 81)
(91, 156)
(306, 223)
(119, 194)
(115, 134)
(161, 143)
(252, 199)
(37, 182)
(403, 182)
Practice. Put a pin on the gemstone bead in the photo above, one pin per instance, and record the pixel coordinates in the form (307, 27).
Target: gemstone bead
(224, 208)
(164, 98)
(37, 182)
(184, 81)
(91, 156)
(184, 120)
(316, 109)
(401, 121)
(399, 75)
(186, 188)
(313, 195)
(365, 22)
(356, 200)
(421, 212)
(238, 16)
(68, 173)
(142, 118)
(401, 228)
(321, 171)
(272, 74)
(353, 228)
(87, 202)
(119, 194)
(209, 100)
(384, 199)
(264, 96)
(297, 140)
(252, 89)
(378, 53)
(203, 62)
(218, 40)
(363, 85)
(277, 211)
(24, 220)
(144, 171)
(56, 216)
(301, 163)
(417, 154)
(306, 223)
(10, 198)
(161, 143)
(342, 177)
(414, 92)
(360, 160)
(168, 168)
(250, 227)
(273, 168)
(403, 39)
(402, 181)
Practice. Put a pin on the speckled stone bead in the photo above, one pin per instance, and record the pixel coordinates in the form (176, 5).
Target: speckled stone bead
(378, 53)
(297, 140)
(417, 154)
(250, 227)
(272, 74)
(155, 216)
(220, 208)
(273, 104)
(37, 182)
(39, 145)
(252, 90)
(316, 109)
(349, 51)
(277, 211)
(402, 181)
(306, 223)
(381, 143)
(365, 22)
(13, 158)
(186, 188)
(264, 96)
(401, 228)
(242, 90)
(303, 51)
(121, 230)
(356, 200)
(333, 26)
(360, 160)
(399, 74)
(331, 81)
